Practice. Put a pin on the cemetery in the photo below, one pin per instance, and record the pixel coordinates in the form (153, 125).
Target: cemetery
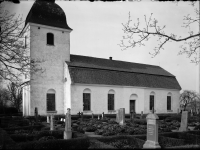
(119, 131)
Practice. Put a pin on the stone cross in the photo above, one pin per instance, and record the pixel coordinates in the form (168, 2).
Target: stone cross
(102, 116)
(122, 116)
(152, 132)
(36, 114)
(68, 131)
(52, 123)
(184, 121)
(48, 119)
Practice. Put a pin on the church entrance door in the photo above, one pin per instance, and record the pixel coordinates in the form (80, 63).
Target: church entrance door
(132, 105)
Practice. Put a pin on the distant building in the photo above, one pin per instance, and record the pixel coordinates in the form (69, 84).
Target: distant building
(88, 84)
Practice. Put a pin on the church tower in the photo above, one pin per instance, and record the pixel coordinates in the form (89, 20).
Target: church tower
(49, 43)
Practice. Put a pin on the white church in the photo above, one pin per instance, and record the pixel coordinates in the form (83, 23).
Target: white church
(88, 84)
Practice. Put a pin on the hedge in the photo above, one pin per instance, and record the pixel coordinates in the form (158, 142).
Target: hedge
(36, 127)
(79, 143)
(22, 137)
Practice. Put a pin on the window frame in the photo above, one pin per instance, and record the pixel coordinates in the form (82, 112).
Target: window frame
(50, 39)
(151, 97)
(169, 102)
(86, 101)
(111, 101)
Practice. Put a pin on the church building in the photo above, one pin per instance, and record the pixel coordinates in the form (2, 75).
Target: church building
(87, 84)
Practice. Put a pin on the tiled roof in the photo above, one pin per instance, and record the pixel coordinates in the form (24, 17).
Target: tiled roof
(47, 13)
(90, 70)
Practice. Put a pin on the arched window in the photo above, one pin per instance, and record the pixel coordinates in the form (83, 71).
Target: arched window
(50, 39)
(86, 99)
(51, 95)
(169, 101)
(111, 99)
(151, 100)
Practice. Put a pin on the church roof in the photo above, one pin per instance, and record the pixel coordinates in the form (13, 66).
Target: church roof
(91, 70)
(47, 13)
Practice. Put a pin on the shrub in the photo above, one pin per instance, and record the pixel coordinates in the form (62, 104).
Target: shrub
(56, 134)
(169, 142)
(140, 121)
(79, 143)
(22, 137)
(90, 129)
(46, 138)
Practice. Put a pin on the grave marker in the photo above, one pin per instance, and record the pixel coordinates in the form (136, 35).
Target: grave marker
(68, 131)
(122, 116)
(131, 115)
(92, 116)
(152, 132)
(48, 119)
(184, 121)
(141, 115)
(178, 111)
(98, 117)
(117, 116)
(36, 114)
(79, 114)
(82, 116)
(102, 116)
(52, 123)
(191, 113)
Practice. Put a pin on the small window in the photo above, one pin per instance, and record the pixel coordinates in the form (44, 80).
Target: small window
(151, 105)
(110, 101)
(51, 100)
(86, 101)
(168, 102)
(50, 39)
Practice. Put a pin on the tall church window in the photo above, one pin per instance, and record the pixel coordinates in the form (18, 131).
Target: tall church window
(111, 96)
(50, 39)
(86, 99)
(51, 102)
(169, 101)
(151, 102)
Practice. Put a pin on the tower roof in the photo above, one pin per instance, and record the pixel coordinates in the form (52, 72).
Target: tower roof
(47, 13)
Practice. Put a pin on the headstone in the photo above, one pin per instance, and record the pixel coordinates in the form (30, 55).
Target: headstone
(68, 131)
(141, 115)
(52, 123)
(117, 116)
(178, 111)
(92, 116)
(82, 116)
(122, 116)
(98, 117)
(63, 120)
(102, 116)
(36, 114)
(48, 119)
(131, 115)
(191, 113)
(152, 132)
(184, 121)
(79, 114)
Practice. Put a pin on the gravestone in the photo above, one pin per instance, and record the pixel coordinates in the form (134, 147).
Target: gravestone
(79, 114)
(64, 120)
(68, 131)
(178, 111)
(117, 115)
(48, 119)
(184, 121)
(152, 132)
(98, 117)
(92, 116)
(122, 116)
(82, 116)
(141, 115)
(191, 113)
(36, 114)
(102, 116)
(52, 123)
(61, 119)
(131, 115)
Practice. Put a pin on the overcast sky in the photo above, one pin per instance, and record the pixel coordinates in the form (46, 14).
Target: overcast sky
(97, 31)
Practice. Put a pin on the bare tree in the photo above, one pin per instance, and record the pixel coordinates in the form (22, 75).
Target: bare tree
(15, 95)
(136, 35)
(189, 98)
(15, 59)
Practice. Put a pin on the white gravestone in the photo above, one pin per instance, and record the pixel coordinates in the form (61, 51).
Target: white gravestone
(52, 123)
(122, 116)
(68, 131)
(184, 121)
(152, 132)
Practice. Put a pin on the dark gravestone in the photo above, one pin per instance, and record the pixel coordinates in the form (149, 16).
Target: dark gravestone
(79, 114)
(36, 114)
(82, 116)
(152, 132)
(141, 115)
(184, 121)
(102, 116)
(178, 111)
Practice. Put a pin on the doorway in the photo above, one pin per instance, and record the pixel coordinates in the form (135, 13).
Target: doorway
(132, 105)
